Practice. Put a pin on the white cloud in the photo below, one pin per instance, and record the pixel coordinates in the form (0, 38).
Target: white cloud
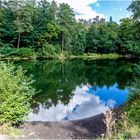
(83, 8)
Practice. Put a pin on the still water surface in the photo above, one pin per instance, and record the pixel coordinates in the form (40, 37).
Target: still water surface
(79, 89)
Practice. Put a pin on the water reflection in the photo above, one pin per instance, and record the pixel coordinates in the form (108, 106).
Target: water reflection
(85, 103)
(112, 95)
(78, 88)
(81, 104)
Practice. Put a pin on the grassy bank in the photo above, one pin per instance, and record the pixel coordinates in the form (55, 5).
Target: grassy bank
(95, 56)
(126, 124)
(21, 55)
(28, 53)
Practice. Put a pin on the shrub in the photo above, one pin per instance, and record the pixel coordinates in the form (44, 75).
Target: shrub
(22, 52)
(133, 109)
(15, 94)
(6, 50)
(51, 50)
(25, 52)
(5, 45)
(126, 128)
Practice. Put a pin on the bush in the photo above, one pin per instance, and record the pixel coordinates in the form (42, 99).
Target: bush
(51, 50)
(25, 52)
(5, 45)
(15, 94)
(6, 50)
(22, 52)
(126, 128)
(133, 109)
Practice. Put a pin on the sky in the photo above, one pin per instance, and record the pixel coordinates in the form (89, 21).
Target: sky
(87, 9)
(115, 8)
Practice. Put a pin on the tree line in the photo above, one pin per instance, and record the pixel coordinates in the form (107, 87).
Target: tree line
(49, 28)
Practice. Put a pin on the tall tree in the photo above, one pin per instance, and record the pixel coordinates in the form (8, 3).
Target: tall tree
(66, 22)
(135, 9)
(126, 36)
(53, 11)
(79, 39)
(51, 31)
(22, 21)
(110, 19)
(101, 37)
(7, 17)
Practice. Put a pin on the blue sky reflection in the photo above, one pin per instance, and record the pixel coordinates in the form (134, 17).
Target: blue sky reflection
(86, 102)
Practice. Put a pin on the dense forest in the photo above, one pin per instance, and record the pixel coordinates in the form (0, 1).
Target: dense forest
(48, 29)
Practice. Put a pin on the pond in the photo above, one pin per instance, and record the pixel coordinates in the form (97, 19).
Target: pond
(77, 89)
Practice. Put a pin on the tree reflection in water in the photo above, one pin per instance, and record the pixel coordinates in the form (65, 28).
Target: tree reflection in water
(58, 81)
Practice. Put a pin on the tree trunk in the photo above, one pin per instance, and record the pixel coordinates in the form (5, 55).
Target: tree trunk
(62, 45)
(0, 4)
(18, 44)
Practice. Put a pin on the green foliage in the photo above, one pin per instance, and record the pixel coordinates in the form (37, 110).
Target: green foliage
(35, 23)
(6, 50)
(50, 35)
(102, 37)
(50, 50)
(13, 52)
(15, 94)
(135, 9)
(127, 125)
(126, 44)
(126, 128)
(25, 52)
(79, 39)
(66, 22)
(133, 109)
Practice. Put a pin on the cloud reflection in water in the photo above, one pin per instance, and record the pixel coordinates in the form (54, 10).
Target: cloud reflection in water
(85, 103)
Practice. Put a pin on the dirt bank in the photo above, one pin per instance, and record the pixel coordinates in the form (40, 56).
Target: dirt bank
(80, 129)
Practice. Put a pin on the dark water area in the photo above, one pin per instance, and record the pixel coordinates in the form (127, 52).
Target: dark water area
(76, 89)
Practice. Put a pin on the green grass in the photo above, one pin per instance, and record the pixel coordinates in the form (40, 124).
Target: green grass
(92, 56)
(95, 56)
(128, 124)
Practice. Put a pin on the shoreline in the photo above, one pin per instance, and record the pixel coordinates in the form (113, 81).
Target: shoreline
(87, 128)
(91, 56)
